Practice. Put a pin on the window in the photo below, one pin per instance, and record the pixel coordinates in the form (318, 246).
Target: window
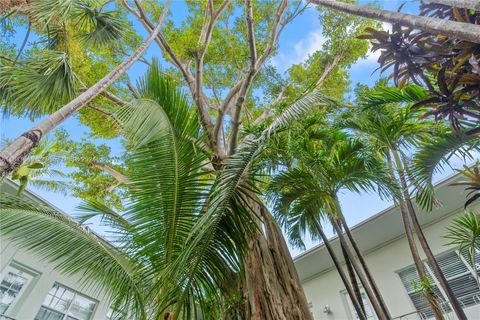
(459, 274)
(365, 302)
(63, 303)
(13, 281)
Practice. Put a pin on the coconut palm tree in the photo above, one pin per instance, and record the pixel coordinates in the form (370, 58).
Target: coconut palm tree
(13, 155)
(394, 129)
(184, 231)
(309, 190)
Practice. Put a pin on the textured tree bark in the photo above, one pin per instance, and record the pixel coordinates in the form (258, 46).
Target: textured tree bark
(467, 4)
(456, 307)
(458, 30)
(271, 287)
(14, 154)
(7, 6)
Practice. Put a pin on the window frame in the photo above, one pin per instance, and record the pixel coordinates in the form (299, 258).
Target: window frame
(470, 271)
(20, 270)
(76, 293)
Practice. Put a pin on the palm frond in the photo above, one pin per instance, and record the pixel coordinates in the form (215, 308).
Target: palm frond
(433, 154)
(387, 95)
(39, 87)
(465, 233)
(201, 263)
(97, 27)
(101, 267)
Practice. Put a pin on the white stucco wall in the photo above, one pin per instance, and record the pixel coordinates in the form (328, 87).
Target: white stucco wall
(32, 296)
(326, 288)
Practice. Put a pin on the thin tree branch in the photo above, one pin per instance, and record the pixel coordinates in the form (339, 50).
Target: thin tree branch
(133, 90)
(236, 119)
(328, 70)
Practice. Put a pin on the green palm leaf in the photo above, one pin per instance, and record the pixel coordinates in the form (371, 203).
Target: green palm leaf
(432, 155)
(72, 250)
(41, 86)
(202, 262)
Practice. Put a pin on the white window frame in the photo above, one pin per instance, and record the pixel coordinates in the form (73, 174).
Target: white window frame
(351, 309)
(22, 271)
(75, 294)
(437, 284)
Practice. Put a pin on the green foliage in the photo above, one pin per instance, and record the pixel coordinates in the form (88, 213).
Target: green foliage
(40, 86)
(432, 155)
(309, 190)
(465, 233)
(472, 183)
(40, 168)
(446, 67)
(73, 250)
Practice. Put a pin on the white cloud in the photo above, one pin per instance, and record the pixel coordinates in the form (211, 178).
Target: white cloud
(300, 51)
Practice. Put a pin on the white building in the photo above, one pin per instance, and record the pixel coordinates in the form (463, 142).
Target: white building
(381, 239)
(31, 290)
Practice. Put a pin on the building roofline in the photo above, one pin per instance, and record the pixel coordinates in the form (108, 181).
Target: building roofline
(390, 209)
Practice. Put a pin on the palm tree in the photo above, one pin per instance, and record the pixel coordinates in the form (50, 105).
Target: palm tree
(40, 164)
(394, 129)
(13, 156)
(309, 190)
(185, 230)
(457, 30)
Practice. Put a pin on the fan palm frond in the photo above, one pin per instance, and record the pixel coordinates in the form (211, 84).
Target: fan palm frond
(97, 27)
(101, 267)
(43, 84)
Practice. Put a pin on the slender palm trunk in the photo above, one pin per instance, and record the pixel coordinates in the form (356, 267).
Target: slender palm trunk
(458, 30)
(353, 278)
(467, 4)
(364, 265)
(354, 296)
(14, 154)
(456, 307)
(271, 287)
(422, 273)
(359, 270)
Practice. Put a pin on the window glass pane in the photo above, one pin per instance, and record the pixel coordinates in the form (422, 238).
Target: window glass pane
(67, 303)
(47, 314)
(10, 288)
(82, 308)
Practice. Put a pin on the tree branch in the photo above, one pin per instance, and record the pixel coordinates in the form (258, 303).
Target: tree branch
(328, 70)
(236, 119)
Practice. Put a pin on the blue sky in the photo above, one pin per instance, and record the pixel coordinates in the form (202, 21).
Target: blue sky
(301, 38)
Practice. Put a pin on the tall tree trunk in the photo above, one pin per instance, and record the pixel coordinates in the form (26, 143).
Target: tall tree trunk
(458, 30)
(353, 279)
(432, 299)
(14, 154)
(456, 307)
(361, 275)
(271, 287)
(359, 254)
(355, 296)
(467, 4)
(422, 273)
